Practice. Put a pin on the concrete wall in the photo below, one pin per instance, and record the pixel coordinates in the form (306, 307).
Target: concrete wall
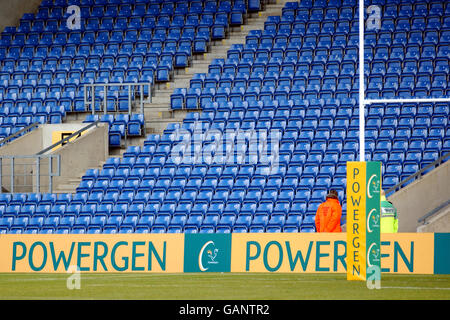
(28, 144)
(12, 10)
(440, 222)
(420, 197)
(49, 129)
(85, 152)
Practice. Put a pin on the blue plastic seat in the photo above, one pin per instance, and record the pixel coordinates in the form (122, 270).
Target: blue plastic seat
(295, 76)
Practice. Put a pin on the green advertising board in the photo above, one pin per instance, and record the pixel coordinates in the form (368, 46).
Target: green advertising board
(373, 246)
(207, 253)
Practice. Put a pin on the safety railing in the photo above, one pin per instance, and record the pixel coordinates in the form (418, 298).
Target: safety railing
(19, 133)
(34, 173)
(29, 173)
(419, 173)
(141, 92)
(68, 138)
(424, 219)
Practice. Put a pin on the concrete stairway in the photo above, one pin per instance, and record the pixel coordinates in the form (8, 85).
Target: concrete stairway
(158, 113)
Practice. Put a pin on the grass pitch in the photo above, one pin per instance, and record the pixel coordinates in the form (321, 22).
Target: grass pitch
(222, 286)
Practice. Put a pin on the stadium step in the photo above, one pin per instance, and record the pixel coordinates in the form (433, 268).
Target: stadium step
(158, 125)
(156, 116)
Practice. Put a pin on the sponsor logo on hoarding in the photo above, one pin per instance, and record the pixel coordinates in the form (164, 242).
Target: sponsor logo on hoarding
(207, 252)
(92, 253)
(211, 253)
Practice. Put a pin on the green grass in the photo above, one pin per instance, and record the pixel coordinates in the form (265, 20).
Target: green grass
(217, 286)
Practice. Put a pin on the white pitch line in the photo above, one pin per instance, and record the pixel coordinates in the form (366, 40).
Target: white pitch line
(415, 288)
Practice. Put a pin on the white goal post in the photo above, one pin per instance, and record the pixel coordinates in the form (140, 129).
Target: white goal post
(362, 100)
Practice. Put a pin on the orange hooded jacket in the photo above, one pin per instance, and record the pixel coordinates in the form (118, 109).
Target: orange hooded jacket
(328, 216)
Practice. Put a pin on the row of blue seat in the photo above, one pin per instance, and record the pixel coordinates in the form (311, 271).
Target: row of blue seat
(322, 38)
(350, 13)
(318, 151)
(297, 52)
(60, 83)
(102, 36)
(50, 91)
(313, 23)
(62, 3)
(141, 9)
(287, 42)
(126, 5)
(15, 123)
(152, 45)
(349, 104)
(143, 202)
(216, 214)
(417, 152)
(294, 80)
(230, 90)
(20, 110)
(200, 209)
(66, 104)
(328, 176)
(389, 6)
(329, 118)
(335, 155)
(58, 14)
(120, 213)
(196, 98)
(214, 178)
(330, 147)
(159, 3)
(298, 92)
(159, 25)
(292, 57)
(169, 213)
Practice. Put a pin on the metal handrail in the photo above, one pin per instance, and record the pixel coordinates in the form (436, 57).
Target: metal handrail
(434, 211)
(118, 84)
(38, 158)
(418, 173)
(66, 139)
(30, 126)
(42, 155)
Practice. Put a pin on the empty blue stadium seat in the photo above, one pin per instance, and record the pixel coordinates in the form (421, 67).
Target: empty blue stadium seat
(296, 77)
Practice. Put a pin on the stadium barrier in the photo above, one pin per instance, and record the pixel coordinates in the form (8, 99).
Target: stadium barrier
(24, 173)
(401, 253)
(134, 91)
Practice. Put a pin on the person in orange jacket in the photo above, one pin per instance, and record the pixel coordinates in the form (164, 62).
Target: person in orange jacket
(328, 215)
